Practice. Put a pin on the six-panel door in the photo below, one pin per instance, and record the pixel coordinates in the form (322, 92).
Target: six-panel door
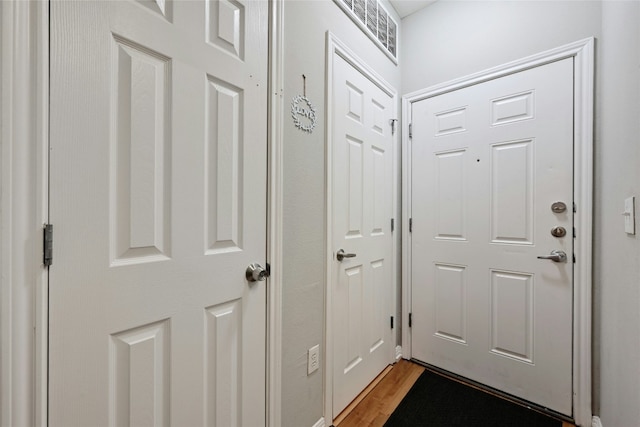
(488, 162)
(362, 210)
(158, 196)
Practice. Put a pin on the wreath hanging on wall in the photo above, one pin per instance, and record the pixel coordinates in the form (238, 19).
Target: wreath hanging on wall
(303, 113)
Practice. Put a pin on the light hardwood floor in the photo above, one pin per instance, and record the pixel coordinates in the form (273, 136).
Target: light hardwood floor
(376, 403)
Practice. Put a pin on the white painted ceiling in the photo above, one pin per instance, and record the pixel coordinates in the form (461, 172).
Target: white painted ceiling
(407, 7)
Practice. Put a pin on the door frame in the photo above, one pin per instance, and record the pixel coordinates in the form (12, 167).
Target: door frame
(23, 211)
(24, 201)
(335, 47)
(583, 53)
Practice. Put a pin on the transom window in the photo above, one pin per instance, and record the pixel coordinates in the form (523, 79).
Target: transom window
(375, 21)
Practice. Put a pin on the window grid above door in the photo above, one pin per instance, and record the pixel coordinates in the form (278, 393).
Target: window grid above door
(375, 21)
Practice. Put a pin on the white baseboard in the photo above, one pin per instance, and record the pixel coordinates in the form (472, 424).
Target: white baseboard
(595, 422)
(398, 352)
(319, 423)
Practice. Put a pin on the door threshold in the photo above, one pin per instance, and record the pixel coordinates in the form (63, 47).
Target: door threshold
(498, 393)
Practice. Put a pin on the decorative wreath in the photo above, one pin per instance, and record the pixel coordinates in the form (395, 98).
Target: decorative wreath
(302, 108)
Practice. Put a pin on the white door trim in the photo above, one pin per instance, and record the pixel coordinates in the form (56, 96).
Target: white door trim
(337, 47)
(275, 210)
(24, 136)
(583, 54)
(23, 207)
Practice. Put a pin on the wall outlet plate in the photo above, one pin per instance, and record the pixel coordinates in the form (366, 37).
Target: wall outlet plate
(313, 359)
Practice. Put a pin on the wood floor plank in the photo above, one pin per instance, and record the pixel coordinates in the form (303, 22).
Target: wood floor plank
(361, 396)
(376, 407)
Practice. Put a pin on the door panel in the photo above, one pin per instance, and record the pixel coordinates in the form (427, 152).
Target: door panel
(158, 171)
(362, 211)
(487, 163)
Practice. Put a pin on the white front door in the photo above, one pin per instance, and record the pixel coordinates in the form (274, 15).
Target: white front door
(158, 199)
(488, 163)
(362, 203)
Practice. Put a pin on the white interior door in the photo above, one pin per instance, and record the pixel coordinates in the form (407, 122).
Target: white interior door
(158, 196)
(362, 203)
(488, 162)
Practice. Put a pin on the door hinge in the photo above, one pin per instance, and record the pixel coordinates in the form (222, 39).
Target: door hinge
(391, 322)
(574, 258)
(575, 208)
(410, 225)
(574, 232)
(410, 130)
(393, 126)
(47, 257)
(393, 224)
(410, 319)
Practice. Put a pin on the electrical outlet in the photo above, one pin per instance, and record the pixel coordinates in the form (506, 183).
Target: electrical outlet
(313, 359)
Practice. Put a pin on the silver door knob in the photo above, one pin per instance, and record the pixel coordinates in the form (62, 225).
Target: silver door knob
(340, 255)
(555, 256)
(256, 273)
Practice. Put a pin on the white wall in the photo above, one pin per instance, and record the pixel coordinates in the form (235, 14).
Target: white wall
(617, 256)
(305, 25)
(450, 39)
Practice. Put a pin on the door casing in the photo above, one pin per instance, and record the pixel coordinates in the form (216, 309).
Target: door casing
(24, 196)
(24, 202)
(337, 47)
(583, 53)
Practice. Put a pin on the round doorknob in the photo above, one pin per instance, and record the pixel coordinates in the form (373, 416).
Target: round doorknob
(256, 273)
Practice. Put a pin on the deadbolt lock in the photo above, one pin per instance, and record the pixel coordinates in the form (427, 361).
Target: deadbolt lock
(558, 231)
(558, 207)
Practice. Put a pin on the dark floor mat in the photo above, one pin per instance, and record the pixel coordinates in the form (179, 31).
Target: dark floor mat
(437, 401)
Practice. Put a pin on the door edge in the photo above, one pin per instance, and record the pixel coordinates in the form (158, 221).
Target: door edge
(275, 210)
